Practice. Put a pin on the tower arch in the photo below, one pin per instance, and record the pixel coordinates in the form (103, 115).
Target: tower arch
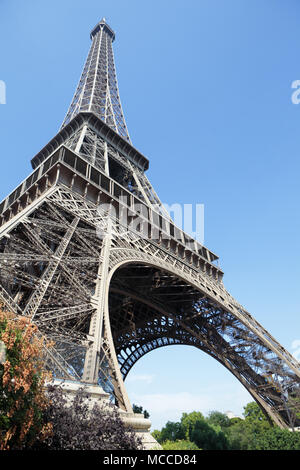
(151, 307)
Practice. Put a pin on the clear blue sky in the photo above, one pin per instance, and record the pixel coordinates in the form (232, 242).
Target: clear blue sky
(206, 90)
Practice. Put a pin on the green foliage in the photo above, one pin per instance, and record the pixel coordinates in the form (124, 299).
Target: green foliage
(188, 422)
(294, 405)
(157, 435)
(254, 415)
(216, 418)
(193, 428)
(276, 439)
(171, 432)
(242, 432)
(218, 432)
(179, 445)
(238, 434)
(139, 409)
(208, 437)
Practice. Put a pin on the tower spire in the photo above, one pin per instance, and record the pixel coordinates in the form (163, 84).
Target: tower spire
(97, 90)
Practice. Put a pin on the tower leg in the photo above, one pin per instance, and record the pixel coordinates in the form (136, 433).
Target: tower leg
(91, 365)
(101, 354)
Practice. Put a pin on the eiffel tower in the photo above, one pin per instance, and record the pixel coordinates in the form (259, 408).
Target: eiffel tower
(90, 255)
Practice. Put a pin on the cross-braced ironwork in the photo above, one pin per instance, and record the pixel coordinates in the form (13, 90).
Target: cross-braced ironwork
(89, 254)
(97, 90)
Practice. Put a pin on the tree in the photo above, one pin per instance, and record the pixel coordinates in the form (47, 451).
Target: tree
(238, 434)
(188, 421)
(157, 435)
(22, 378)
(276, 439)
(218, 432)
(216, 418)
(293, 404)
(241, 433)
(193, 428)
(139, 409)
(208, 437)
(254, 415)
(172, 431)
(179, 445)
(78, 426)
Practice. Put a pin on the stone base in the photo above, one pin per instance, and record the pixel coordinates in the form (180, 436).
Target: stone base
(141, 427)
(136, 421)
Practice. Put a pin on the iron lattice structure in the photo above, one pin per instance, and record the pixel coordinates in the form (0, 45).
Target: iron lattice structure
(97, 90)
(89, 254)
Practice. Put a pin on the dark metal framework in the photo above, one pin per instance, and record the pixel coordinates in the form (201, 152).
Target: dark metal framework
(109, 288)
(97, 90)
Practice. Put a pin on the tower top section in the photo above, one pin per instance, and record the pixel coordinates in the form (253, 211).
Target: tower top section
(97, 91)
(102, 25)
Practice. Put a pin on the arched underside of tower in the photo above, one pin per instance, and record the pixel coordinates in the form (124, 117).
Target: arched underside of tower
(150, 308)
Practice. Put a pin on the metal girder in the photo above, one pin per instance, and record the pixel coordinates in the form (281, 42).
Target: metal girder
(137, 250)
(91, 367)
(37, 296)
(53, 356)
(97, 89)
(185, 333)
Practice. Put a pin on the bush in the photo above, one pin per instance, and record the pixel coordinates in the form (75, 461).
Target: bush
(194, 429)
(277, 439)
(179, 445)
(215, 418)
(208, 437)
(75, 426)
(139, 409)
(172, 431)
(22, 377)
